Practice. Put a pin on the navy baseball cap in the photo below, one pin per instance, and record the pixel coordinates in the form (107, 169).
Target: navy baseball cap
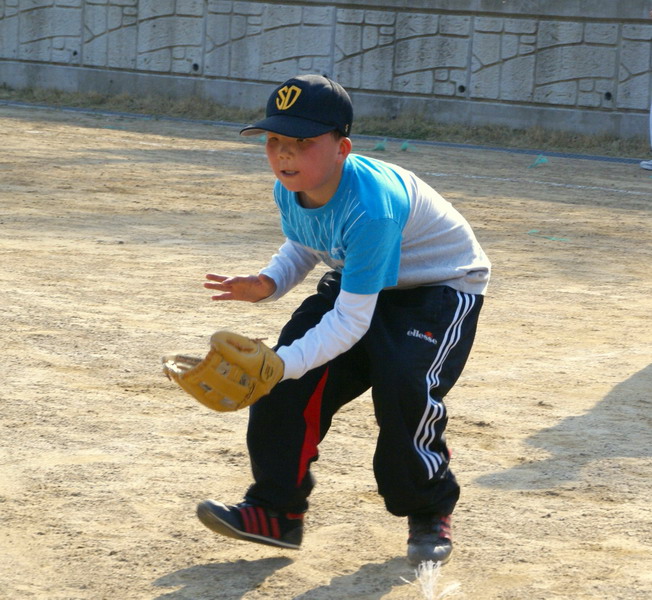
(306, 106)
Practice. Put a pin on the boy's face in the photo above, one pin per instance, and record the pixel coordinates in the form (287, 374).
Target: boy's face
(310, 166)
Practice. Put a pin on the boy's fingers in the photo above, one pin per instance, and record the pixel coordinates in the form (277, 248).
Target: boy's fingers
(218, 282)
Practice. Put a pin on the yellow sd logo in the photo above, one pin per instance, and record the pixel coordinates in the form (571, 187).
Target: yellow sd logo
(287, 96)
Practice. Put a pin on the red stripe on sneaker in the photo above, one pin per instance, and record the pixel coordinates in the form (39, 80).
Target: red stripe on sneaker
(276, 530)
(255, 520)
(262, 521)
(312, 417)
(445, 528)
(246, 519)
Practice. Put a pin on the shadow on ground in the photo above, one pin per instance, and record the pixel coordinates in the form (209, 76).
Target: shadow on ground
(233, 580)
(578, 441)
(223, 581)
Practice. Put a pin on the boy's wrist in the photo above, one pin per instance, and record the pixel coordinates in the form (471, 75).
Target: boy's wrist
(270, 284)
(271, 287)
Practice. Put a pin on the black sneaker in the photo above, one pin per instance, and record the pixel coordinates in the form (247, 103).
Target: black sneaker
(429, 539)
(252, 523)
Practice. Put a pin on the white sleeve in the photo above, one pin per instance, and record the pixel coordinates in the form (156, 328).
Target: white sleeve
(289, 267)
(339, 330)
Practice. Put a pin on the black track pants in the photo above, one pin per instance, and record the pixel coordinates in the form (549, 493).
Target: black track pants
(412, 355)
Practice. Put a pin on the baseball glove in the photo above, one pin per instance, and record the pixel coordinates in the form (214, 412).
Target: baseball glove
(236, 372)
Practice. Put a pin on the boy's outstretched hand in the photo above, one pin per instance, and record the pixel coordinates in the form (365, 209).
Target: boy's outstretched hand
(251, 288)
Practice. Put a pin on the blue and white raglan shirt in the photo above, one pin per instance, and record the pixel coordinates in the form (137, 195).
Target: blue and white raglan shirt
(383, 228)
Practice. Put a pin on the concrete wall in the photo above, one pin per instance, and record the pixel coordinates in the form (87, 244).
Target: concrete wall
(580, 65)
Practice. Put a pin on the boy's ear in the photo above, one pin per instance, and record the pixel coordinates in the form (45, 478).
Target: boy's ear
(345, 148)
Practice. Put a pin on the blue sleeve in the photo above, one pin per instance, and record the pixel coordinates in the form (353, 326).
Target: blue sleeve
(373, 255)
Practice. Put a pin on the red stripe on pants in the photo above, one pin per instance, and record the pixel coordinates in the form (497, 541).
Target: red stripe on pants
(311, 415)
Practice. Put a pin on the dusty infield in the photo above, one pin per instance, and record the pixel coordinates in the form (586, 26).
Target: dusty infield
(107, 227)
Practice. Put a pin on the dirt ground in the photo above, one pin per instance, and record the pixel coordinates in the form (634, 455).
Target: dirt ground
(107, 227)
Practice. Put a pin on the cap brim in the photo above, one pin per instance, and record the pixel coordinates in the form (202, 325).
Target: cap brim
(288, 126)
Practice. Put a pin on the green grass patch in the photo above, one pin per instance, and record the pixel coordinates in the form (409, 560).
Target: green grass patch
(407, 127)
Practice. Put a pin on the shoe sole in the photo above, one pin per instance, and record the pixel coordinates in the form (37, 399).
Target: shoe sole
(415, 562)
(222, 527)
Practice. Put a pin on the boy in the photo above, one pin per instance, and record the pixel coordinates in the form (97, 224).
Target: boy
(396, 314)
